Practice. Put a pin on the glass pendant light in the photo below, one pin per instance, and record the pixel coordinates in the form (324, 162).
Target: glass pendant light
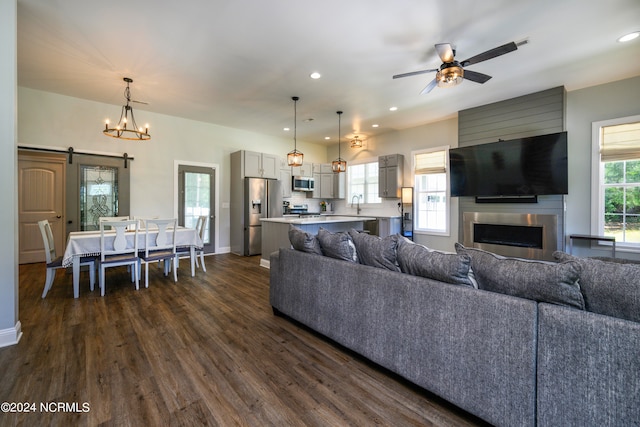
(294, 158)
(339, 164)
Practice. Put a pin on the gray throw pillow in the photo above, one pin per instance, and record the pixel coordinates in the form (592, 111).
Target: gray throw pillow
(419, 260)
(337, 245)
(376, 251)
(542, 281)
(609, 288)
(303, 241)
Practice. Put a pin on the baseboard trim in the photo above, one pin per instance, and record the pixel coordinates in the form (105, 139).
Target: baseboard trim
(11, 336)
(265, 263)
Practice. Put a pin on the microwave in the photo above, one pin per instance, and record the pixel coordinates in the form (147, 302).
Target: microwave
(302, 183)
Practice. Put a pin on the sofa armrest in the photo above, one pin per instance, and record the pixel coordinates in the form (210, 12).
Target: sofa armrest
(588, 368)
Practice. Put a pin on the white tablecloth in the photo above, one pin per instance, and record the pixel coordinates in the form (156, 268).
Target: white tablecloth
(87, 243)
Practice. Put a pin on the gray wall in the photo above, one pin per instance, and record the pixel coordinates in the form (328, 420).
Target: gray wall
(538, 113)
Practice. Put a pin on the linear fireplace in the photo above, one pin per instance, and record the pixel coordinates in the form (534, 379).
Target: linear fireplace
(532, 236)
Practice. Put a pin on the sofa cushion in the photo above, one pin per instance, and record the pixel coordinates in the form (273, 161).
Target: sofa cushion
(419, 260)
(542, 281)
(303, 241)
(337, 245)
(610, 288)
(376, 251)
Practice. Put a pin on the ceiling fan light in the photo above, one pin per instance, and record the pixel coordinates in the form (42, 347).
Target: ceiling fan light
(450, 76)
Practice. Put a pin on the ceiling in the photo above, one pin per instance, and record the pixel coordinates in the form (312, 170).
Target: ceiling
(238, 63)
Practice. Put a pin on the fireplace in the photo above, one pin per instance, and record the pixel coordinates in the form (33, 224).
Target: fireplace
(532, 236)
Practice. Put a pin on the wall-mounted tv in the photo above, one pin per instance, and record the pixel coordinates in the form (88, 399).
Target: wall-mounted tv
(531, 166)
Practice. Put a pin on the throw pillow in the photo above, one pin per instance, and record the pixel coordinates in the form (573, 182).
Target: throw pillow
(337, 245)
(376, 251)
(303, 241)
(419, 260)
(611, 288)
(541, 281)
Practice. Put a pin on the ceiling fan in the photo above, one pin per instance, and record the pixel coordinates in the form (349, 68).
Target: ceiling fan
(452, 72)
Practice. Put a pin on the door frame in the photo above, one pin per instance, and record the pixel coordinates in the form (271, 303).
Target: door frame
(216, 188)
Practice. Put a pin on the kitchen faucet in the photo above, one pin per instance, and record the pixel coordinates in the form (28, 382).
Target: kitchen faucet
(357, 197)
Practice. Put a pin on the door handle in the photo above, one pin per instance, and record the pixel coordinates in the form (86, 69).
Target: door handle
(58, 216)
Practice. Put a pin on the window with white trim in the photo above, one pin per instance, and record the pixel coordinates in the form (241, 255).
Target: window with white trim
(363, 182)
(431, 178)
(617, 162)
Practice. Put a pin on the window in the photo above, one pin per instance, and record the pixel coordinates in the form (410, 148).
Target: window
(618, 180)
(363, 181)
(431, 186)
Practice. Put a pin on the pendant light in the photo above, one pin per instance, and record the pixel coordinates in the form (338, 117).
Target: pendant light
(339, 164)
(294, 158)
(121, 131)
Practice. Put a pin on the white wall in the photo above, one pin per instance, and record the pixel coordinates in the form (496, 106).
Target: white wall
(52, 120)
(10, 329)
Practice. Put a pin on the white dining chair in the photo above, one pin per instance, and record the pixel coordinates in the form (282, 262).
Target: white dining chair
(160, 245)
(55, 262)
(114, 218)
(119, 250)
(201, 225)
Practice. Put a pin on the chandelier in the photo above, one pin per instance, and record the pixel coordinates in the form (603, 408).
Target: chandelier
(356, 143)
(294, 158)
(127, 127)
(339, 164)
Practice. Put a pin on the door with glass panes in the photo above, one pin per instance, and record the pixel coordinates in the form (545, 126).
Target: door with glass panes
(196, 197)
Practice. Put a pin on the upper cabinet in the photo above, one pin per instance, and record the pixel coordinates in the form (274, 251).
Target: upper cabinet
(390, 173)
(259, 165)
(328, 184)
(305, 170)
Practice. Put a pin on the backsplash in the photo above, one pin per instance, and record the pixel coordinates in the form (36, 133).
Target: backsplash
(388, 207)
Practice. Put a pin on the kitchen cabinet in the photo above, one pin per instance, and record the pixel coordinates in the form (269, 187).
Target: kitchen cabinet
(285, 179)
(305, 170)
(259, 165)
(390, 174)
(328, 185)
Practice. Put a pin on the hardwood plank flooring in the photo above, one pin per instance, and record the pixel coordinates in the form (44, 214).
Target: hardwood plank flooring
(204, 351)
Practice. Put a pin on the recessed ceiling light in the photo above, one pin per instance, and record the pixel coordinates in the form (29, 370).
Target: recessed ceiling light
(286, 129)
(315, 75)
(629, 37)
(375, 125)
(393, 108)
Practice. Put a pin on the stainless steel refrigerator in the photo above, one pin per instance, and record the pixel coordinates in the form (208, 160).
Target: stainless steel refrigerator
(262, 198)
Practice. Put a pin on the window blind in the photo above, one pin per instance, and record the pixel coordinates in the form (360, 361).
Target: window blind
(432, 162)
(620, 142)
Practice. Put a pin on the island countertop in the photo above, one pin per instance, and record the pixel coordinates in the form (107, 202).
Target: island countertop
(324, 219)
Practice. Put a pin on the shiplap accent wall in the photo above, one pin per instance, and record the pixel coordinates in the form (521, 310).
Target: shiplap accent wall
(538, 113)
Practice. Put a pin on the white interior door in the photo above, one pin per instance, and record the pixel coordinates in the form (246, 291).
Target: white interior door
(41, 194)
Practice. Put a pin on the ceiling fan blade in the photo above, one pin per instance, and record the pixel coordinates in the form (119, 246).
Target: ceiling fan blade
(414, 73)
(429, 87)
(445, 52)
(475, 76)
(492, 53)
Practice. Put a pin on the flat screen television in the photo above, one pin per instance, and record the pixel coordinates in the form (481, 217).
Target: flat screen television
(531, 166)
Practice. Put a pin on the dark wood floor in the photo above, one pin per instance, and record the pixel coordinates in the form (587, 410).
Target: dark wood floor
(204, 351)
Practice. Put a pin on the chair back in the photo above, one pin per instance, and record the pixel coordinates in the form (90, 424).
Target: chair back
(113, 218)
(160, 234)
(47, 238)
(201, 224)
(122, 242)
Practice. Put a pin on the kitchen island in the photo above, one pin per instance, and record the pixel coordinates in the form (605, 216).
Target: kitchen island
(275, 231)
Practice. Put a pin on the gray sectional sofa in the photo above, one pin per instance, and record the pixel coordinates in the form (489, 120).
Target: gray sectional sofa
(510, 359)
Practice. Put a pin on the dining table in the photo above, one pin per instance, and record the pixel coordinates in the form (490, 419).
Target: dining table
(87, 243)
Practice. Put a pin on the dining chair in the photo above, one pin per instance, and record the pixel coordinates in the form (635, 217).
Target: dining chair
(55, 262)
(119, 249)
(114, 218)
(160, 245)
(201, 223)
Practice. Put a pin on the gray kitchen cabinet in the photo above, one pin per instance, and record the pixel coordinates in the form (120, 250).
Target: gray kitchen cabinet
(389, 226)
(305, 170)
(259, 165)
(285, 178)
(390, 174)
